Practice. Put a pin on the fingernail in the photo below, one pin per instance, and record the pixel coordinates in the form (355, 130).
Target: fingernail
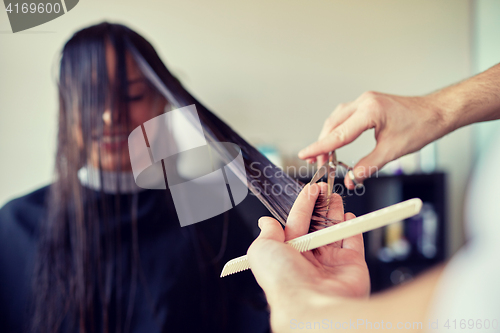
(352, 177)
(356, 180)
(258, 223)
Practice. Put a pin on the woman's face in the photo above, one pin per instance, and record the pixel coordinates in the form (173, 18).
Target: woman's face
(144, 103)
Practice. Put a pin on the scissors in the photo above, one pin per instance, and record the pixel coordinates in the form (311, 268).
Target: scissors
(330, 168)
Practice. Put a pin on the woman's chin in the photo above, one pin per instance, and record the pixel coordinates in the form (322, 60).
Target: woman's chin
(115, 164)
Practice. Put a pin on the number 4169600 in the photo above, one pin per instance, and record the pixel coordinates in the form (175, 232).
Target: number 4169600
(471, 324)
(33, 8)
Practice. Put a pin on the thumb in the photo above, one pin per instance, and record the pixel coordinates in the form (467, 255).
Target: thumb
(261, 252)
(271, 229)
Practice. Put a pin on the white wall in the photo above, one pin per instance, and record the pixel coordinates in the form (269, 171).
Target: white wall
(273, 70)
(486, 48)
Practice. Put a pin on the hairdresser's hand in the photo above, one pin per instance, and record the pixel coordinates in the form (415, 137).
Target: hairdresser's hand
(402, 125)
(292, 280)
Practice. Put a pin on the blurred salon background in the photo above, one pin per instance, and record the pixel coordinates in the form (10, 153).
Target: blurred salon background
(274, 70)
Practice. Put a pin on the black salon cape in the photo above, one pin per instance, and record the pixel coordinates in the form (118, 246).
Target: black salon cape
(168, 260)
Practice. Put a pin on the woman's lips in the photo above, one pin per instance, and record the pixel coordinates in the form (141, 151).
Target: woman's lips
(113, 142)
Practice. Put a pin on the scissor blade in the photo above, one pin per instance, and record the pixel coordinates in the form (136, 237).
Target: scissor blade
(319, 173)
(332, 167)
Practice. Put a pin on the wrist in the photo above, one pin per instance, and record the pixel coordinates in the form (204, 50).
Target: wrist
(300, 304)
(442, 113)
(473, 100)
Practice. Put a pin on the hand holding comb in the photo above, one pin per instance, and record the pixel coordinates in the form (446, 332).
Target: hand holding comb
(364, 223)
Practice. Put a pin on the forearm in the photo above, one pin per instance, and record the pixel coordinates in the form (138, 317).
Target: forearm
(405, 304)
(321, 312)
(474, 100)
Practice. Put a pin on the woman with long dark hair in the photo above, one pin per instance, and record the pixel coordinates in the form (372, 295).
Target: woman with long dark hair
(93, 252)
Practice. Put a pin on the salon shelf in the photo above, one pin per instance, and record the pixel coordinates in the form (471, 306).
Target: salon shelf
(387, 270)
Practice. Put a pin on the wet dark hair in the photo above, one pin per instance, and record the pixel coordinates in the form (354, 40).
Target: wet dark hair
(75, 264)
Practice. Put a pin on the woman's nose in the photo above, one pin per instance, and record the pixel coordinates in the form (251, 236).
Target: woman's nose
(110, 117)
(106, 117)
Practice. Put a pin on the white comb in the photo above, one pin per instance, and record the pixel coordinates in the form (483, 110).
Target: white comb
(313, 240)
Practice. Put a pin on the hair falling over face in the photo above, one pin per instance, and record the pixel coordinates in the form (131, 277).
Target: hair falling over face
(75, 264)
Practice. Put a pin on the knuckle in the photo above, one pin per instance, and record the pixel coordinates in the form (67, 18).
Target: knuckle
(369, 95)
(340, 106)
(340, 134)
(370, 119)
(373, 105)
(329, 122)
(372, 109)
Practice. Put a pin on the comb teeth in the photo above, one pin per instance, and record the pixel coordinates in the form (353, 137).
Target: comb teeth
(241, 263)
(235, 265)
(301, 245)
